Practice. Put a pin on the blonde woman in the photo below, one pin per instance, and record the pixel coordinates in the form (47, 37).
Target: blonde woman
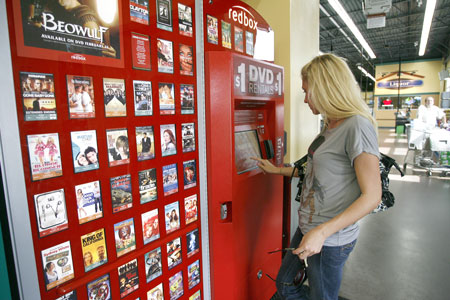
(342, 182)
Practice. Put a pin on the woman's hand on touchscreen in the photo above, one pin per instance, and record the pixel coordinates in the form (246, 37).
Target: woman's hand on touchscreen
(266, 166)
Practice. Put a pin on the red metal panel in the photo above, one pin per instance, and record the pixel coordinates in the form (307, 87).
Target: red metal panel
(41, 62)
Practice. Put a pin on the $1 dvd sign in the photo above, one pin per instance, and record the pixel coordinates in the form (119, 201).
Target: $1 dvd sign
(253, 78)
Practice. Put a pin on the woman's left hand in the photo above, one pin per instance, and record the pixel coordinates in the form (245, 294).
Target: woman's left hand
(311, 243)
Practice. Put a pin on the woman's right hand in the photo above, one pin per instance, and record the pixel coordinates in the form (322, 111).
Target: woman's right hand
(266, 166)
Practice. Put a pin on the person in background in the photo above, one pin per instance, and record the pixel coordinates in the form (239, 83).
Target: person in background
(341, 185)
(430, 114)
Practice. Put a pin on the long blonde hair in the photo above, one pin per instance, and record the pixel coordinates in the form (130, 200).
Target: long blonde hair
(333, 89)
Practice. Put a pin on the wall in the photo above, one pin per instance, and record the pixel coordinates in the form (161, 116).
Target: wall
(296, 27)
(427, 70)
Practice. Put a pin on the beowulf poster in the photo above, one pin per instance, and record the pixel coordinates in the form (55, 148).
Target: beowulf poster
(140, 50)
(125, 237)
(139, 11)
(51, 212)
(45, 157)
(80, 95)
(187, 98)
(128, 278)
(57, 264)
(38, 96)
(72, 31)
(114, 97)
(164, 14)
(185, 20)
(143, 99)
(93, 247)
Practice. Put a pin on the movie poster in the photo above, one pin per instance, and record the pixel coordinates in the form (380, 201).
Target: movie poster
(194, 274)
(226, 35)
(140, 51)
(145, 143)
(192, 243)
(196, 296)
(99, 289)
(114, 97)
(80, 96)
(156, 293)
(170, 179)
(84, 150)
(51, 213)
(176, 285)
(166, 93)
(128, 278)
(187, 98)
(93, 246)
(118, 147)
(168, 140)
(185, 20)
(190, 209)
(147, 185)
(57, 264)
(89, 201)
(164, 14)
(174, 253)
(249, 43)
(45, 157)
(143, 99)
(186, 60)
(212, 30)
(38, 96)
(238, 39)
(150, 226)
(72, 295)
(121, 196)
(189, 174)
(125, 237)
(139, 11)
(165, 56)
(188, 137)
(153, 265)
(172, 217)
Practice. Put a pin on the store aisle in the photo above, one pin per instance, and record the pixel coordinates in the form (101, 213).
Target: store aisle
(403, 253)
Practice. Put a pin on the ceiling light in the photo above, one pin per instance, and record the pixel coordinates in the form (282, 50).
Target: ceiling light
(366, 73)
(429, 11)
(348, 21)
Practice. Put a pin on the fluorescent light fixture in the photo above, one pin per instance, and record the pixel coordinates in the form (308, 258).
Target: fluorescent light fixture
(366, 73)
(429, 11)
(348, 21)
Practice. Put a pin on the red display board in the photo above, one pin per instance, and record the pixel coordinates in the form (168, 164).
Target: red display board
(105, 94)
(245, 118)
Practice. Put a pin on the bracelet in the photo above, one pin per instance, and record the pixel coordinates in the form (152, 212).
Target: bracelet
(280, 171)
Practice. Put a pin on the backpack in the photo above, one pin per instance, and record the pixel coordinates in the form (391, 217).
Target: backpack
(386, 163)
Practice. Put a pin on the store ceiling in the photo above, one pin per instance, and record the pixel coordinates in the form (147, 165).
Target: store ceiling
(398, 40)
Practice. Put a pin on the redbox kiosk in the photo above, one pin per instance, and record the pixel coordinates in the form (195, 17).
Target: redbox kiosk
(244, 113)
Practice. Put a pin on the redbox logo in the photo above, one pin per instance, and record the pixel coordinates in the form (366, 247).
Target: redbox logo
(244, 17)
(78, 57)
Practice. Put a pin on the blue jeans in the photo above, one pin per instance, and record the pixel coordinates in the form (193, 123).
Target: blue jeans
(324, 272)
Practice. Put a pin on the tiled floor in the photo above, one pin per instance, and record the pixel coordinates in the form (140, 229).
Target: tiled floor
(403, 253)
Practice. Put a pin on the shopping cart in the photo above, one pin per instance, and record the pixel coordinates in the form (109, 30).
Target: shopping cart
(428, 149)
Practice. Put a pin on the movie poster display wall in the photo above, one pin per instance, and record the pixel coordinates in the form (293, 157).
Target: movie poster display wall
(106, 103)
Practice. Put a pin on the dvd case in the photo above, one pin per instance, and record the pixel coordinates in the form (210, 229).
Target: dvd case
(174, 253)
(176, 285)
(150, 226)
(190, 209)
(172, 216)
(147, 185)
(121, 196)
(45, 156)
(99, 288)
(93, 247)
(125, 237)
(84, 150)
(80, 96)
(57, 264)
(153, 265)
(185, 20)
(89, 201)
(38, 96)
(128, 278)
(51, 212)
(194, 274)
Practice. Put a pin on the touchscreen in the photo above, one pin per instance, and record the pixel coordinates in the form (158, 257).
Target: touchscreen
(246, 146)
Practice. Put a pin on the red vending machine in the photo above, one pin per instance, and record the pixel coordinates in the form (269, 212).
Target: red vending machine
(105, 111)
(245, 117)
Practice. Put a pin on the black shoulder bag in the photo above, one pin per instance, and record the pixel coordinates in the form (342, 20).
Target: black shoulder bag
(386, 163)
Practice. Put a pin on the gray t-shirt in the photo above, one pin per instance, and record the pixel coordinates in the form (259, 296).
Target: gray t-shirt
(330, 184)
